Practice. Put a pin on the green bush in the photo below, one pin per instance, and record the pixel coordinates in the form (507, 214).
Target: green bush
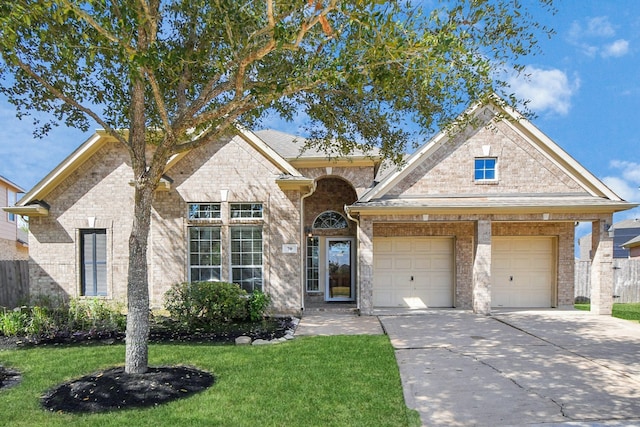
(198, 304)
(77, 315)
(95, 314)
(257, 304)
(13, 322)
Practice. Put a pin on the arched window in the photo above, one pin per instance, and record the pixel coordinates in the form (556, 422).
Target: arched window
(330, 219)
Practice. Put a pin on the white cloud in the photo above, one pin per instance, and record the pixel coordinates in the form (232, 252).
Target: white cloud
(630, 170)
(622, 188)
(616, 49)
(546, 90)
(591, 35)
(600, 26)
(625, 183)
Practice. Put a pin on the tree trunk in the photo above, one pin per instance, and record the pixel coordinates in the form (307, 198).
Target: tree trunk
(136, 359)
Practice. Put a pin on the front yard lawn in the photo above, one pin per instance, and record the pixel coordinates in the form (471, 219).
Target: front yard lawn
(629, 311)
(310, 381)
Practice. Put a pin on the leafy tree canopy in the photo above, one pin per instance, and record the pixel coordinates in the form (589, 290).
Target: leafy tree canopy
(360, 70)
(181, 73)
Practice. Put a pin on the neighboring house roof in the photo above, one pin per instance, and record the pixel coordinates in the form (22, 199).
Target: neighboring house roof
(626, 223)
(597, 197)
(632, 243)
(12, 185)
(33, 202)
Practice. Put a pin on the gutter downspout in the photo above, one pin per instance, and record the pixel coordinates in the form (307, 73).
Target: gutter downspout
(357, 221)
(303, 245)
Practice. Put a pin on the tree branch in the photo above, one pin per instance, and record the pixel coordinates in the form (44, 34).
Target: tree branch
(84, 16)
(68, 100)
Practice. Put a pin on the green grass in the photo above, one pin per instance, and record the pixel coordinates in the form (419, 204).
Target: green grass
(629, 311)
(310, 381)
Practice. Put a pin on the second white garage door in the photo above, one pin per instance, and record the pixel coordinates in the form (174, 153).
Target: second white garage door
(413, 272)
(522, 271)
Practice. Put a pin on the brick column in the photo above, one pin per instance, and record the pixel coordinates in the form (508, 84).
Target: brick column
(482, 268)
(602, 267)
(365, 266)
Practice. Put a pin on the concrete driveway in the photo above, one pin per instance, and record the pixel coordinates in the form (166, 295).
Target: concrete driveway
(538, 367)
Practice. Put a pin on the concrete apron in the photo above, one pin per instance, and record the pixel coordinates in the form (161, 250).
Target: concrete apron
(518, 367)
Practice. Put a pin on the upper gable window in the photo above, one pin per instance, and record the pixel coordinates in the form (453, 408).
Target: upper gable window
(330, 219)
(485, 169)
(246, 210)
(204, 210)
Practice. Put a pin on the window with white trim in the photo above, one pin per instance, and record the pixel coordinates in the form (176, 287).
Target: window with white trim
(204, 211)
(485, 169)
(313, 264)
(204, 254)
(93, 262)
(246, 210)
(246, 257)
(330, 220)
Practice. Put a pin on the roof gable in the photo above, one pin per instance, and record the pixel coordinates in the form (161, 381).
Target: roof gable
(444, 165)
(87, 149)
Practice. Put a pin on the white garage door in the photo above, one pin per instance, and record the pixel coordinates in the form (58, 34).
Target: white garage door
(522, 271)
(413, 272)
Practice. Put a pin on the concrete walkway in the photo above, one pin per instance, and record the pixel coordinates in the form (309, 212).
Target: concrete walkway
(514, 368)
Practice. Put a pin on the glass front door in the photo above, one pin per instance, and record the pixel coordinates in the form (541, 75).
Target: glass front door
(339, 268)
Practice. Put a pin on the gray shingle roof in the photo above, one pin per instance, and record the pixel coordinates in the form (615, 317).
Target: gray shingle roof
(291, 146)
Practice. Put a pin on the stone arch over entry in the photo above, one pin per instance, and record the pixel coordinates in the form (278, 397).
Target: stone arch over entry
(328, 231)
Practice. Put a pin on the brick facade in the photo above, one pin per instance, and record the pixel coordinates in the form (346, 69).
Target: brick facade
(471, 277)
(97, 194)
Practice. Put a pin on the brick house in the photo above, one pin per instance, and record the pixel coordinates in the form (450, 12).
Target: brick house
(13, 240)
(478, 219)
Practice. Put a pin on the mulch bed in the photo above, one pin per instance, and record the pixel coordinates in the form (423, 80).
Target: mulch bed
(114, 389)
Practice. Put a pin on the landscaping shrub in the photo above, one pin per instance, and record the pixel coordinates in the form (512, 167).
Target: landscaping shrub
(201, 304)
(257, 304)
(197, 304)
(48, 320)
(13, 322)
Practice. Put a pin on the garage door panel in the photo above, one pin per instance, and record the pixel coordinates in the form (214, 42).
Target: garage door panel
(401, 263)
(522, 272)
(421, 274)
(383, 263)
(402, 246)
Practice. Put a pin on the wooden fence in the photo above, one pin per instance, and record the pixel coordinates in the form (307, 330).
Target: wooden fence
(626, 280)
(14, 283)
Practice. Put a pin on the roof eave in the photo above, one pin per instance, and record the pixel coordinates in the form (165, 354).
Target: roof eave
(29, 210)
(485, 210)
(288, 183)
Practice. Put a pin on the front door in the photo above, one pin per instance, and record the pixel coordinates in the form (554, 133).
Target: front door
(340, 278)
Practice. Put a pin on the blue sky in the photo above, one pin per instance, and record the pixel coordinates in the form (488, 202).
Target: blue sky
(584, 88)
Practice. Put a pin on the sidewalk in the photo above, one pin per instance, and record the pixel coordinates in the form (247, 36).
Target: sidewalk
(338, 324)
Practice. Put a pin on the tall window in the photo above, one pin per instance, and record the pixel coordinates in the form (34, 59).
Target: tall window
(246, 210)
(485, 169)
(246, 257)
(93, 260)
(11, 201)
(204, 254)
(313, 271)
